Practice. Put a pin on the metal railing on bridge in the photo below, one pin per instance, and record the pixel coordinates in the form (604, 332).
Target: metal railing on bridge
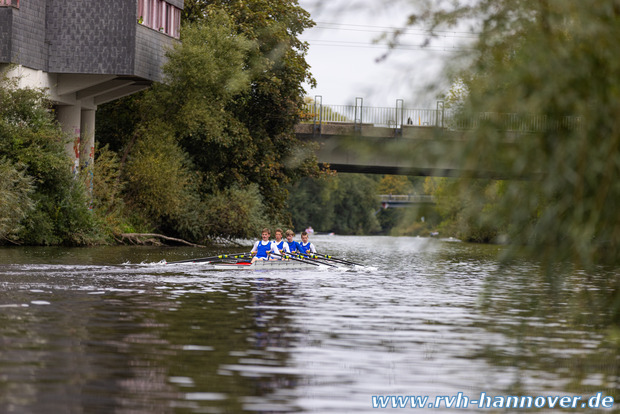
(407, 198)
(389, 117)
(530, 123)
(398, 116)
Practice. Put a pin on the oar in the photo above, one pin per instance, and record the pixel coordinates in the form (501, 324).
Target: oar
(208, 259)
(288, 256)
(315, 259)
(334, 259)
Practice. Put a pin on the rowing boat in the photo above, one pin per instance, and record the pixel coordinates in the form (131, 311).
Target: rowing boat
(294, 261)
(265, 265)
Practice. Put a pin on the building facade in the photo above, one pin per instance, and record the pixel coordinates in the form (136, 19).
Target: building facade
(86, 53)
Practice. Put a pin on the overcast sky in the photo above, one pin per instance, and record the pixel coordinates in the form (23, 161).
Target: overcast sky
(346, 64)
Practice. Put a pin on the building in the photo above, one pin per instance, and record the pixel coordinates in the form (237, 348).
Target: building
(86, 53)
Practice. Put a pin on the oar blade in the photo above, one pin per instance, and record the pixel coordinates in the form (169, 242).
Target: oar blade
(337, 260)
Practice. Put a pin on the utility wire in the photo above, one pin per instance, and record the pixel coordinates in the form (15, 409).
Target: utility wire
(370, 29)
(342, 43)
(438, 35)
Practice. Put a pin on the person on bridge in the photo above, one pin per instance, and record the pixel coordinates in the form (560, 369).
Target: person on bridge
(263, 249)
(306, 246)
(281, 244)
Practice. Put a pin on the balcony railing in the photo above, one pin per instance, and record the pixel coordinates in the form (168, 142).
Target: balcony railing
(11, 3)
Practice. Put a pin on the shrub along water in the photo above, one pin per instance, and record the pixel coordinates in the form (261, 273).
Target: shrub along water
(42, 202)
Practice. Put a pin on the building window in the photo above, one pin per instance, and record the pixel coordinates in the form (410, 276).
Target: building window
(160, 16)
(12, 3)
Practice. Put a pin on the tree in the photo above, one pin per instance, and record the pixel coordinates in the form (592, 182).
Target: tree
(222, 123)
(311, 203)
(466, 208)
(41, 201)
(553, 62)
(355, 205)
(345, 204)
(270, 108)
(394, 184)
(188, 168)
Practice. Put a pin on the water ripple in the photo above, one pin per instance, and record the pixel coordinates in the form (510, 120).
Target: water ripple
(113, 331)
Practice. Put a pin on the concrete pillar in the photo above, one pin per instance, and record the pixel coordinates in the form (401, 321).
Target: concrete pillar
(87, 147)
(69, 118)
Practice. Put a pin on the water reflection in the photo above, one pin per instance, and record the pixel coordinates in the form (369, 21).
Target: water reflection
(115, 330)
(560, 329)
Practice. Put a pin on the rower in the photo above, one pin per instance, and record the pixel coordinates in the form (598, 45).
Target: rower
(263, 248)
(293, 246)
(281, 244)
(305, 246)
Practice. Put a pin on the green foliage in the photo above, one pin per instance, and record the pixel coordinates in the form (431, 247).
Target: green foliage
(206, 154)
(311, 202)
(62, 217)
(55, 209)
(235, 212)
(204, 73)
(15, 198)
(117, 122)
(219, 132)
(192, 174)
(410, 221)
(345, 204)
(556, 59)
(468, 208)
(157, 175)
(356, 204)
(265, 114)
(310, 113)
(394, 184)
(108, 191)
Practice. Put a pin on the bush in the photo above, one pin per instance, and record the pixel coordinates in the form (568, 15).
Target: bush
(16, 188)
(30, 138)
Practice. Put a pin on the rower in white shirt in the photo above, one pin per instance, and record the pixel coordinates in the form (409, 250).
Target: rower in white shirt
(263, 249)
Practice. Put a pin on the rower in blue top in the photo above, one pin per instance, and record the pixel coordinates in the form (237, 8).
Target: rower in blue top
(293, 246)
(281, 244)
(305, 246)
(264, 248)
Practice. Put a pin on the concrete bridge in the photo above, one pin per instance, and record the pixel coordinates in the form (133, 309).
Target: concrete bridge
(402, 141)
(414, 151)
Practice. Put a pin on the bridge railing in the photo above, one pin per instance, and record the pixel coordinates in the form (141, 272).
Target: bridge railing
(406, 198)
(396, 117)
(529, 123)
(390, 117)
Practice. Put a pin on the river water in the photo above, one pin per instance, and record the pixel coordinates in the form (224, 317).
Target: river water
(115, 330)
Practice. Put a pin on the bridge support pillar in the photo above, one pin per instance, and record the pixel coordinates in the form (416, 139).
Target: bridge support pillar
(69, 117)
(87, 146)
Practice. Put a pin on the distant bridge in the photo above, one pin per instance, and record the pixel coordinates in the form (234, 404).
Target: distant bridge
(404, 200)
(416, 142)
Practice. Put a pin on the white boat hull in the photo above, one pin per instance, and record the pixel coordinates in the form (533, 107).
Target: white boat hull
(266, 265)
